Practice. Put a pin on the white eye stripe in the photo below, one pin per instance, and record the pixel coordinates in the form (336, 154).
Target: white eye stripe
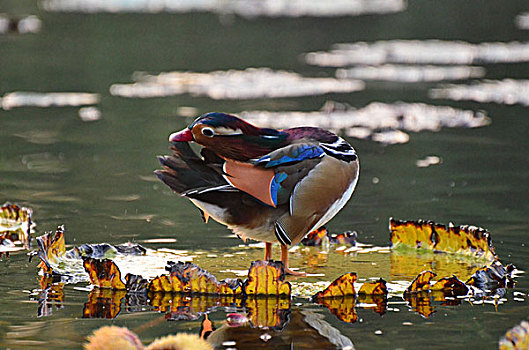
(227, 131)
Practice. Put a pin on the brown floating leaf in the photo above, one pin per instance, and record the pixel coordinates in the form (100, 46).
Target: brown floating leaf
(516, 338)
(103, 303)
(466, 240)
(104, 273)
(315, 237)
(266, 278)
(341, 307)
(269, 311)
(374, 288)
(16, 223)
(451, 285)
(189, 278)
(421, 282)
(342, 286)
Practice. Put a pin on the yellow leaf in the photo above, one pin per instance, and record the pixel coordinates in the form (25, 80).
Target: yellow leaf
(466, 240)
(374, 288)
(342, 286)
(421, 282)
(266, 278)
(104, 273)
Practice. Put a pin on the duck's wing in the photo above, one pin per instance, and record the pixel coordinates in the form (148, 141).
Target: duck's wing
(273, 177)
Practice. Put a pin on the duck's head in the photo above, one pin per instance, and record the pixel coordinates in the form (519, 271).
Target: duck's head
(230, 137)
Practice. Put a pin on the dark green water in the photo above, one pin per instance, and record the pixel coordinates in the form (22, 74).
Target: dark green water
(96, 178)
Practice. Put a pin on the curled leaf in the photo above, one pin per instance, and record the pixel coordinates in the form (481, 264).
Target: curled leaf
(374, 288)
(342, 286)
(466, 240)
(52, 248)
(421, 282)
(266, 278)
(516, 338)
(104, 273)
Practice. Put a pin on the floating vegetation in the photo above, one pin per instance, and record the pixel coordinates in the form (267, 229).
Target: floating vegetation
(516, 338)
(464, 240)
(16, 227)
(410, 73)
(268, 8)
(380, 122)
(507, 91)
(322, 237)
(419, 52)
(522, 20)
(342, 286)
(232, 84)
(47, 99)
(22, 25)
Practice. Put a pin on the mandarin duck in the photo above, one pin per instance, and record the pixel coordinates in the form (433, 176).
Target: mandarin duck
(265, 184)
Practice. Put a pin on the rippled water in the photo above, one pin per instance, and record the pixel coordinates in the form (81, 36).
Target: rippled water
(91, 170)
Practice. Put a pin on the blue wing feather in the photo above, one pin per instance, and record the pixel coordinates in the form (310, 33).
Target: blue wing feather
(296, 154)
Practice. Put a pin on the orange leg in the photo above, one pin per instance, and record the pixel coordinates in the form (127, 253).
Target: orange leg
(284, 259)
(268, 251)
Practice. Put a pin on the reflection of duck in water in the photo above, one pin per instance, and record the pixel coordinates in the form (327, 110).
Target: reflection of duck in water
(304, 330)
(264, 184)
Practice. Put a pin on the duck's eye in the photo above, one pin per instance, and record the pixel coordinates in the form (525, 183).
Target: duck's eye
(208, 132)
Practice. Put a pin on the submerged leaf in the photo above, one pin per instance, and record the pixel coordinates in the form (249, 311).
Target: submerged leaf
(516, 338)
(104, 274)
(267, 278)
(421, 282)
(342, 286)
(466, 240)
